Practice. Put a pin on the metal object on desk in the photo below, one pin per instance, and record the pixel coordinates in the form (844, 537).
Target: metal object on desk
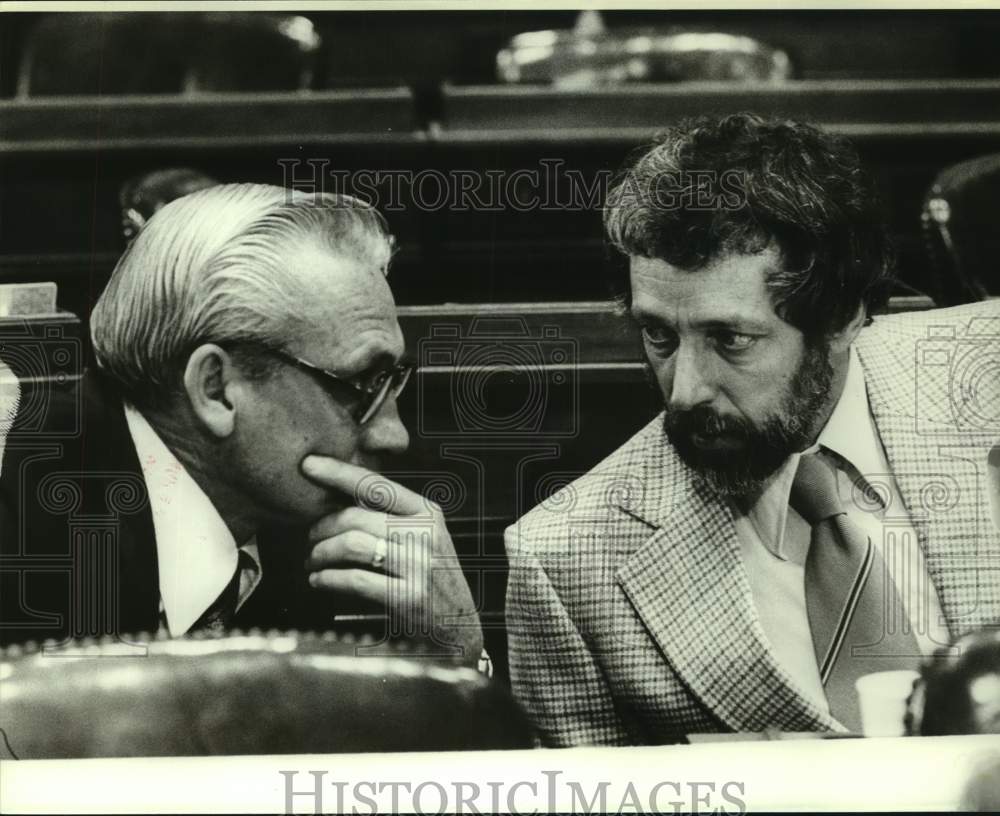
(590, 55)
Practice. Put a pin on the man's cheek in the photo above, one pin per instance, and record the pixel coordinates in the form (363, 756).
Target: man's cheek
(343, 449)
(660, 378)
(755, 401)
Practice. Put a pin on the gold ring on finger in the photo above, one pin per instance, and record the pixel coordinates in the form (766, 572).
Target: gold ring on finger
(378, 555)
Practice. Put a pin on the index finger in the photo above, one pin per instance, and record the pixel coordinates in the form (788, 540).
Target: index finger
(367, 488)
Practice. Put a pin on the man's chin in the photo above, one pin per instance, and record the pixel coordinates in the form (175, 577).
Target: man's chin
(718, 444)
(307, 510)
(722, 465)
(729, 483)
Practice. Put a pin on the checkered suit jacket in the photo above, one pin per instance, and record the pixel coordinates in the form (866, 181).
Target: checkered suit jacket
(629, 611)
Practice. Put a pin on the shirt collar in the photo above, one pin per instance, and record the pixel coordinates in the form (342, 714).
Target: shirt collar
(196, 553)
(849, 432)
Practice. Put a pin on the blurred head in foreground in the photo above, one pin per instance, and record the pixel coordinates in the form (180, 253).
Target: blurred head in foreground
(959, 689)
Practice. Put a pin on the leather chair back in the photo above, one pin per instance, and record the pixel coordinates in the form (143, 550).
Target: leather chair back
(961, 227)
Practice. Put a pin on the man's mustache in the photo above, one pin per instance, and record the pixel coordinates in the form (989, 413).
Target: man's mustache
(703, 421)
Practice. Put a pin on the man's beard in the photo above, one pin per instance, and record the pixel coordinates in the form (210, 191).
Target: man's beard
(759, 449)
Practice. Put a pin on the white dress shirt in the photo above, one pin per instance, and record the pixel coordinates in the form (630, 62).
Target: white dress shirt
(774, 539)
(195, 551)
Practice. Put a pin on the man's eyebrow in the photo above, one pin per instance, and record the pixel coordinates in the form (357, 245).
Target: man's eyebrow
(732, 322)
(724, 321)
(640, 315)
(372, 362)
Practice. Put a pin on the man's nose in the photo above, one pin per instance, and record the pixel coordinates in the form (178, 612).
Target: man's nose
(385, 432)
(692, 383)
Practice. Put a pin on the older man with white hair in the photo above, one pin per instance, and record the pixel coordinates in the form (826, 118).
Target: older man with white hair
(225, 473)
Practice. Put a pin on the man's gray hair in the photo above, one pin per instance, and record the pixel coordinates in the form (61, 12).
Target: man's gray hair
(213, 267)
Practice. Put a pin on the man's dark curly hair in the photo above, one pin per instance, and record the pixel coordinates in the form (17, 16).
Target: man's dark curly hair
(709, 187)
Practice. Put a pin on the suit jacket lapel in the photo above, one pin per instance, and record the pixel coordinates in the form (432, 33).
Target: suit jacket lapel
(688, 585)
(109, 451)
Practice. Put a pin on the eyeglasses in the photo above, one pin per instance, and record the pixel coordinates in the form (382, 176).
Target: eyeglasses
(371, 395)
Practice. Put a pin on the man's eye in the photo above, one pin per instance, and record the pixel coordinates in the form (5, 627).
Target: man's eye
(374, 381)
(735, 341)
(658, 337)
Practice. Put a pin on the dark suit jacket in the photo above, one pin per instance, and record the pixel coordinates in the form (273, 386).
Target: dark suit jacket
(77, 544)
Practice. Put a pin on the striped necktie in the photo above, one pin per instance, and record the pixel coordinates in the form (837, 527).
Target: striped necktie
(857, 620)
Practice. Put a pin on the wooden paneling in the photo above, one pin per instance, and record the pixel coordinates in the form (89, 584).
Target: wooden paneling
(205, 120)
(62, 161)
(861, 109)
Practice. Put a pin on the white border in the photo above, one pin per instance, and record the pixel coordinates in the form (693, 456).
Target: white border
(901, 774)
(874, 775)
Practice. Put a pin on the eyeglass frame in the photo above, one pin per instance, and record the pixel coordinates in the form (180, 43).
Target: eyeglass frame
(376, 395)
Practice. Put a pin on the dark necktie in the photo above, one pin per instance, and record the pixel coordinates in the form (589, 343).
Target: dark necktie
(857, 620)
(220, 613)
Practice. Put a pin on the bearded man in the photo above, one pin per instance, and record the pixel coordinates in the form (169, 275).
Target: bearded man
(811, 506)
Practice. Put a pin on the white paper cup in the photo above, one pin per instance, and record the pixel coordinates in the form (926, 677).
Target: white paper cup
(882, 698)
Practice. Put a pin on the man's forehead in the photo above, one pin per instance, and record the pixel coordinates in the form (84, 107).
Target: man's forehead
(325, 268)
(355, 340)
(725, 290)
(350, 317)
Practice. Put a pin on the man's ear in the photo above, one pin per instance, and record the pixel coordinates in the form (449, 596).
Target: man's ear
(840, 341)
(208, 372)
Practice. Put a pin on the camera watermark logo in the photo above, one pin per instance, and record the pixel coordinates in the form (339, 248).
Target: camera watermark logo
(958, 379)
(497, 380)
(39, 363)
